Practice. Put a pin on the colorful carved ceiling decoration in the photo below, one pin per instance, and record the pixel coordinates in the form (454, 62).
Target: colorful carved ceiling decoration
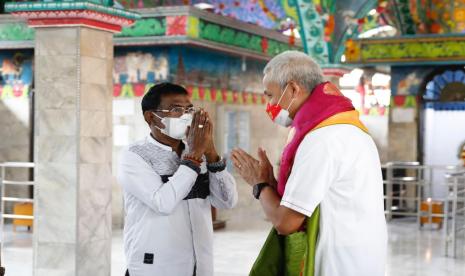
(377, 17)
(426, 16)
(320, 33)
(265, 13)
(443, 17)
(414, 19)
(403, 14)
(327, 24)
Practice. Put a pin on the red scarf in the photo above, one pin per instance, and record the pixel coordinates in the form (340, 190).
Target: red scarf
(325, 101)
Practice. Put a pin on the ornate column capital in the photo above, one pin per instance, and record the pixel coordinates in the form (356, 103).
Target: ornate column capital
(94, 14)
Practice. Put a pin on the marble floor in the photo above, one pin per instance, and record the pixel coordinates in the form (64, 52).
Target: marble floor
(412, 252)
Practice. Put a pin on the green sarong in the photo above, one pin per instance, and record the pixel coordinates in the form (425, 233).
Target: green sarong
(291, 255)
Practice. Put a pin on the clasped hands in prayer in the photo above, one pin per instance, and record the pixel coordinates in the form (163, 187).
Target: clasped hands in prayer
(254, 171)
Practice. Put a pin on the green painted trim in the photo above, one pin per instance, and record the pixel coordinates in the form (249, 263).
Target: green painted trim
(233, 37)
(426, 50)
(414, 37)
(145, 27)
(414, 50)
(16, 32)
(402, 63)
(156, 27)
(61, 6)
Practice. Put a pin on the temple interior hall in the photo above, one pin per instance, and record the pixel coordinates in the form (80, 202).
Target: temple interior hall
(75, 77)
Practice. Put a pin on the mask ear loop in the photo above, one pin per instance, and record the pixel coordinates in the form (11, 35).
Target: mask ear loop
(161, 118)
(282, 95)
(290, 104)
(157, 115)
(292, 101)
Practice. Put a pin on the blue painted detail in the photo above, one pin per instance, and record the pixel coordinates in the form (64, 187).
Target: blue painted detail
(430, 86)
(439, 81)
(446, 106)
(459, 76)
(448, 76)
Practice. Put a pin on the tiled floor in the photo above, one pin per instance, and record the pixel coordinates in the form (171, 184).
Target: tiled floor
(412, 252)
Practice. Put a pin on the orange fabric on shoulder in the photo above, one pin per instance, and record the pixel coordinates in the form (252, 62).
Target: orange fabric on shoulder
(347, 118)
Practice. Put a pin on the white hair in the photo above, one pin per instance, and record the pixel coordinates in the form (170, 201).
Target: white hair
(293, 66)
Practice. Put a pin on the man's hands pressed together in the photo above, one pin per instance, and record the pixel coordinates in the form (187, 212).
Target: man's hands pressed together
(252, 170)
(286, 221)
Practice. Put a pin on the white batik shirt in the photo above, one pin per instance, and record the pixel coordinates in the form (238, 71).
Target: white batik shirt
(165, 234)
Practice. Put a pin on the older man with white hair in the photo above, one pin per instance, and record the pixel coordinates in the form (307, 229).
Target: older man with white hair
(327, 204)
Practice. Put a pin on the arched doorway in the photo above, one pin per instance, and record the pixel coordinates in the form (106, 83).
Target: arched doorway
(442, 121)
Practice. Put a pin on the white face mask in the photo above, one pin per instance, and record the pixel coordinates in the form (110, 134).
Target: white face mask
(175, 128)
(283, 118)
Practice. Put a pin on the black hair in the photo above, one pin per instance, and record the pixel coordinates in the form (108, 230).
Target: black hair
(152, 99)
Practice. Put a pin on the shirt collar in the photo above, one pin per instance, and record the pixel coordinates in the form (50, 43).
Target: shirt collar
(152, 140)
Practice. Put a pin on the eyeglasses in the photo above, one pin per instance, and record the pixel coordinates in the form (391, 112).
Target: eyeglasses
(179, 110)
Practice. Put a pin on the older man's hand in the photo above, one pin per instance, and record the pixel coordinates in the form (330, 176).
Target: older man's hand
(264, 161)
(252, 170)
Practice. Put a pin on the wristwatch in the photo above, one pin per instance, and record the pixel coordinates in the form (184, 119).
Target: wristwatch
(257, 189)
(217, 166)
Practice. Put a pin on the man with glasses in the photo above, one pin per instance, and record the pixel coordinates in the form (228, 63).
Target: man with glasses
(170, 180)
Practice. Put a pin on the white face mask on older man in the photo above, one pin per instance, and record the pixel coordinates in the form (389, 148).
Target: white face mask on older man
(175, 128)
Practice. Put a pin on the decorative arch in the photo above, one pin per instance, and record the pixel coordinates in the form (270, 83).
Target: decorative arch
(448, 86)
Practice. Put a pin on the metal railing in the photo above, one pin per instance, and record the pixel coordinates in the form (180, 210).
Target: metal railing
(403, 194)
(3, 198)
(454, 212)
(408, 185)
